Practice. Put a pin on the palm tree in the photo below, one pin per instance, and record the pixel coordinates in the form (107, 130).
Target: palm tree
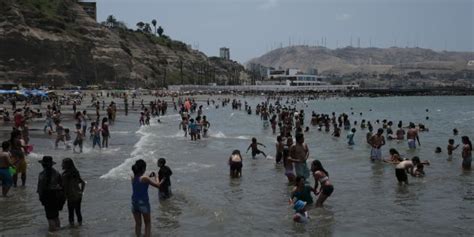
(160, 31)
(153, 22)
(140, 25)
(147, 28)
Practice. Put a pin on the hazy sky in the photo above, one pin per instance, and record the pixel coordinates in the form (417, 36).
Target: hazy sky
(252, 27)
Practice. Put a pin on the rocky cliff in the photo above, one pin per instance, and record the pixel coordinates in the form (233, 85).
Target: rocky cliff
(54, 42)
(366, 60)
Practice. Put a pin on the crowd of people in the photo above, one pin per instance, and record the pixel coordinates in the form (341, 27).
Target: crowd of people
(291, 151)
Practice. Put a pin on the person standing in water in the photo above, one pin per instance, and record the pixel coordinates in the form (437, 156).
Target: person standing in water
(235, 164)
(407, 166)
(302, 191)
(412, 137)
(350, 137)
(299, 154)
(279, 149)
(377, 141)
(451, 148)
(5, 163)
(105, 133)
(140, 201)
(73, 188)
(466, 153)
(164, 191)
(50, 192)
(321, 176)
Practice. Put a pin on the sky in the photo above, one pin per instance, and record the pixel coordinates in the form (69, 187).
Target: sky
(251, 28)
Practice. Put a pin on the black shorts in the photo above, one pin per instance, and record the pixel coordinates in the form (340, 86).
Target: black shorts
(255, 152)
(401, 175)
(235, 166)
(327, 190)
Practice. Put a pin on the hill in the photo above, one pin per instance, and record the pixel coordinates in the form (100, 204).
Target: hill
(54, 42)
(351, 60)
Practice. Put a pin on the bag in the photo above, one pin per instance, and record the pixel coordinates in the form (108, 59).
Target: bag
(12, 170)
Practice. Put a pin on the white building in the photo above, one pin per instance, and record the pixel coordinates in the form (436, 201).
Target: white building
(292, 77)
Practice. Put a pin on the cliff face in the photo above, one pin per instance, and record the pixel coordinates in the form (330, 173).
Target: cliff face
(365, 60)
(54, 42)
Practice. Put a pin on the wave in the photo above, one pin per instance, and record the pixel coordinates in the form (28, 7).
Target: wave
(143, 149)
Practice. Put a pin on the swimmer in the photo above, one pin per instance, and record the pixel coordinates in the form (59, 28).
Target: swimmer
(451, 147)
(438, 150)
(164, 173)
(455, 132)
(400, 132)
(235, 163)
(255, 151)
(394, 156)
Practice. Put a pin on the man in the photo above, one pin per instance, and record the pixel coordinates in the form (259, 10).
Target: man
(5, 164)
(412, 135)
(299, 154)
(377, 141)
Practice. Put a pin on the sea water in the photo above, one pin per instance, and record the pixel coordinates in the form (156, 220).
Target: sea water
(367, 200)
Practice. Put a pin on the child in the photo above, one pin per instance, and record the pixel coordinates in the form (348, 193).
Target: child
(350, 137)
(164, 191)
(79, 138)
(59, 134)
(67, 136)
(235, 163)
(438, 150)
(255, 150)
(451, 148)
(193, 130)
(184, 125)
(73, 188)
(419, 172)
(142, 119)
(301, 215)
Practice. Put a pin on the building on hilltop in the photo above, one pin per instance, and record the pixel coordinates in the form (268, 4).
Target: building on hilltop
(292, 77)
(89, 7)
(224, 53)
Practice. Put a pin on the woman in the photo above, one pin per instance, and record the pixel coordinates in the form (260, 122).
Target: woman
(302, 191)
(50, 192)
(321, 176)
(140, 201)
(466, 153)
(73, 188)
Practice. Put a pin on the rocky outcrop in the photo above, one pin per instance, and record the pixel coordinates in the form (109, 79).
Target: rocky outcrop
(58, 44)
